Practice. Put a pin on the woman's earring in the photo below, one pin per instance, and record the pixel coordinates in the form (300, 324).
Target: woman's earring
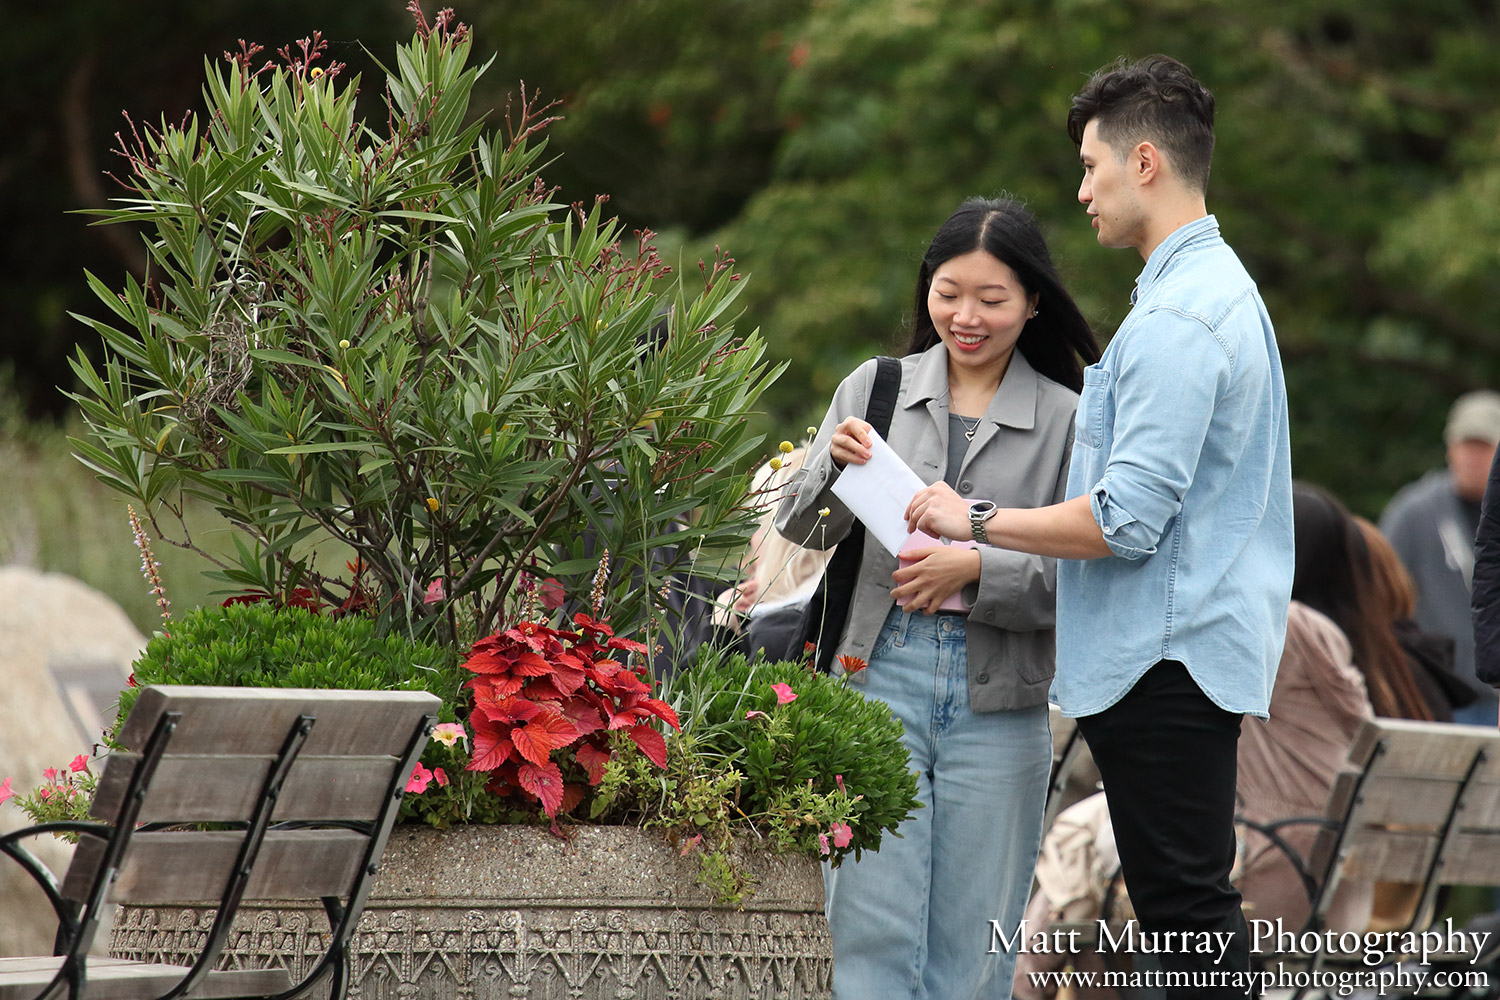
(1034, 312)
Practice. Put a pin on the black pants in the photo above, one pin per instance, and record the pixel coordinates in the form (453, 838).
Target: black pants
(1167, 756)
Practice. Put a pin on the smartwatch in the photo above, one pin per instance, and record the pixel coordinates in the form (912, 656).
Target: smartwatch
(980, 511)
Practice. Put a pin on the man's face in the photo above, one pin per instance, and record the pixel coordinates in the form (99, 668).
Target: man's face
(1469, 465)
(1108, 193)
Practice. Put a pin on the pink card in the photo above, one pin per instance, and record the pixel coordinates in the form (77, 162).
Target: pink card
(922, 540)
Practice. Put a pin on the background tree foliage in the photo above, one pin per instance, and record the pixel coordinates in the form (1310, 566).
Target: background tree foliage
(820, 142)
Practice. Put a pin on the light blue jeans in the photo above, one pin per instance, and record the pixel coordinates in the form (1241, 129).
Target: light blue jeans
(913, 919)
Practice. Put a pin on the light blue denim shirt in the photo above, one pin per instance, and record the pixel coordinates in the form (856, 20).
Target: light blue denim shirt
(1183, 450)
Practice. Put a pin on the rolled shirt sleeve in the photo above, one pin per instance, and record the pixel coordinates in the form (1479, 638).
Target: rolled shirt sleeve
(1165, 391)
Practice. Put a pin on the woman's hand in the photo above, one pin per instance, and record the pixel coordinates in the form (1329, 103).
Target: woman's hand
(851, 442)
(940, 512)
(747, 591)
(932, 575)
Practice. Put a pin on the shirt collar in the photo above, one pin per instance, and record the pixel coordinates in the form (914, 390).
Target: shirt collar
(1014, 404)
(1201, 230)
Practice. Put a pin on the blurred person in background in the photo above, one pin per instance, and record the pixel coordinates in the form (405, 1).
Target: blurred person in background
(1430, 656)
(764, 610)
(1432, 523)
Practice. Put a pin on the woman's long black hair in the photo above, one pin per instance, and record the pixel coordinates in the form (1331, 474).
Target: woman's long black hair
(1332, 573)
(1057, 341)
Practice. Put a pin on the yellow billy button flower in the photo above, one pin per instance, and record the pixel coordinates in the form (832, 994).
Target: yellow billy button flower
(775, 464)
(432, 504)
(812, 432)
(825, 511)
(316, 72)
(786, 447)
(344, 345)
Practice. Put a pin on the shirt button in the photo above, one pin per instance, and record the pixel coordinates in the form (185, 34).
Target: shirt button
(989, 616)
(983, 678)
(965, 486)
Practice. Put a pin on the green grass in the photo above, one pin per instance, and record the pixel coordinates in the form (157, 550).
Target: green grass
(60, 519)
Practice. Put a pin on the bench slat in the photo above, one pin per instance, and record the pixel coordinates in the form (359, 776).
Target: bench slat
(1473, 858)
(1412, 800)
(201, 788)
(117, 979)
(1432, 749)
(1389, 855)
(181, 866)
(256, 720)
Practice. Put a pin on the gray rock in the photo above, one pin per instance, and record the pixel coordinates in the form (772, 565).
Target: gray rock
(65, 653)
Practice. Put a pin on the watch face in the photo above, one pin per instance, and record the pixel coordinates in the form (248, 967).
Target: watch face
(981, 509)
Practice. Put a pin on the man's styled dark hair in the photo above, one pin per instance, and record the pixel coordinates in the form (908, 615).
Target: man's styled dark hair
(1156, 100)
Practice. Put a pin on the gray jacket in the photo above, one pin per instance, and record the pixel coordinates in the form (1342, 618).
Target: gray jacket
(1019, 458)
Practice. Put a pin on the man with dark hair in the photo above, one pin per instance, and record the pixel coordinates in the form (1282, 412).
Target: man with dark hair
(1176, 546)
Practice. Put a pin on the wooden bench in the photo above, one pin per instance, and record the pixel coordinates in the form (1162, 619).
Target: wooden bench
(1418, 803)
(227, 794)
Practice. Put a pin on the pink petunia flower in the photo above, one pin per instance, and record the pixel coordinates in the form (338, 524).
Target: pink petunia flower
(5, 791)
(50, 774)
(450, 733)
(753, 714)
(434, 593)
(80, 763)
(420, 778)
(440, 776)
(842, 834)
(823, 843)
(838, 779)
(784, 693)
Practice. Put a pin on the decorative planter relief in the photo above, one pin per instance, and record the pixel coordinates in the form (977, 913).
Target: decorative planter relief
(499, 912)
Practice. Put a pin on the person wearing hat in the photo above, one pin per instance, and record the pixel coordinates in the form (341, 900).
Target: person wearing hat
(1432, 523)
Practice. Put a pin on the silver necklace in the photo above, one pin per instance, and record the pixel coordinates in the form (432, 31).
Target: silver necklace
(969, 429)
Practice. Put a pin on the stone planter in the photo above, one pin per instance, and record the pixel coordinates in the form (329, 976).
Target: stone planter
(485, 913)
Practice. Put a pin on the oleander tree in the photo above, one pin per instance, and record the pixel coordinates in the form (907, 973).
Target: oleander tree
(412, 381)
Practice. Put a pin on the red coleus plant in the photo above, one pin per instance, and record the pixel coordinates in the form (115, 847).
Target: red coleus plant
(545, 702)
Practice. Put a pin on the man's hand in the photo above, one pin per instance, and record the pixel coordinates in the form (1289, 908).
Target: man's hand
(932, 575)
(940, 512)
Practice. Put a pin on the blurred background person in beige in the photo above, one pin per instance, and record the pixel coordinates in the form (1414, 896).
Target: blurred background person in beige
(765, 608)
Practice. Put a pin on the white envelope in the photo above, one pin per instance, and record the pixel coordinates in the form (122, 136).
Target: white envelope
(879, 492)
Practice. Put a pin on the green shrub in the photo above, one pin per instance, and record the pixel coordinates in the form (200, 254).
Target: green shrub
(384, 345)
(824, 773)
(258, 645)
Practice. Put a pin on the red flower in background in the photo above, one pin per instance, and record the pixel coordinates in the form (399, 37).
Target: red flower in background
(545, 702)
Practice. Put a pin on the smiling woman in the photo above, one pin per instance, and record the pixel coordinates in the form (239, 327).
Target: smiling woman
(988, 391)
(978, 308)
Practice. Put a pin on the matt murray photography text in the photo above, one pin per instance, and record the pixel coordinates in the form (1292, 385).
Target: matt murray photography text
(1266, 937)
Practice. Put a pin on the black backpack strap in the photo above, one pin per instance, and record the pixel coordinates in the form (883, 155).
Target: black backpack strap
(882, 402)
(828, 611)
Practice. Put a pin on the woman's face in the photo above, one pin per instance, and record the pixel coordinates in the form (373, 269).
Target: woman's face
(978, 307)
